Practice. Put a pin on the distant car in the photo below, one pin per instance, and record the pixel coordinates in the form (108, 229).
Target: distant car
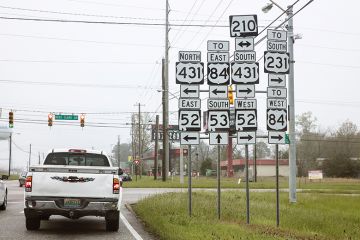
(22, 178)
(125, 177)
(3, 193)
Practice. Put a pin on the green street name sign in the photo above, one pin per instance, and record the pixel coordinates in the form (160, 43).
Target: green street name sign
(66, 117)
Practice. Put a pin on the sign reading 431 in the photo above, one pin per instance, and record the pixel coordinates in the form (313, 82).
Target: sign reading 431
(218, 73)
(245, 120)
(276, 119)
(189, 73)
(245, 73)
(218, 120)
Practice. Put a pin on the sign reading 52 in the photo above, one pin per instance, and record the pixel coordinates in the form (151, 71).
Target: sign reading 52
(246, 120)
(276, 62)
(218, 120)
(189, 120)
(244, 73)
(189, 73)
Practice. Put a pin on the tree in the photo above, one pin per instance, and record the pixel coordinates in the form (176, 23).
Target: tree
(262, 150)
(341, 165)
(145, 138)
(206, 164)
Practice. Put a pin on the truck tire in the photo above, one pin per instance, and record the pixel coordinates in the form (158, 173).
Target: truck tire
(3, 206)
(45, 217)
(112, 221)
(33, 223)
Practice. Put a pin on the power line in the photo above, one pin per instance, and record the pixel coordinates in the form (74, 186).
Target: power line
(74, 62)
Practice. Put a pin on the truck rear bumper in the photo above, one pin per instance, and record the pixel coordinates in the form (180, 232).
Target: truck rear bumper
(55, 206)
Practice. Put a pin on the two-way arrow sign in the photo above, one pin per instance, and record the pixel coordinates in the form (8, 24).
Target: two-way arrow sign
(276, 137)
(189, 138)
(244, 44)
(189, 91)
(246, 137)
(219, 138)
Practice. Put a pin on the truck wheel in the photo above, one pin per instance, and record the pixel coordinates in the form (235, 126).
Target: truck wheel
(20, 185)
(45, 217)
(3, 206)
(33, 223)
(112, 221)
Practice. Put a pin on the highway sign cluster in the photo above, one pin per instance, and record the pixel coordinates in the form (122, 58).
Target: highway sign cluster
(277, 64)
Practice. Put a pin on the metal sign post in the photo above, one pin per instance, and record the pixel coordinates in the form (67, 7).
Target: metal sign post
(247, 183)
(277, 185)
(189, 178)
(218, 183)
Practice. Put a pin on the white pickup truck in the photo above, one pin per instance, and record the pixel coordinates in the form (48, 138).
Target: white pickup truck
(73, 183)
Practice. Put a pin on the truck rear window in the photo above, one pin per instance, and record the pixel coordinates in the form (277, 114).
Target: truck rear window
(77, 159)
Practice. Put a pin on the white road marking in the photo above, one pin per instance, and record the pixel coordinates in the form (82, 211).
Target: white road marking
(131, 229)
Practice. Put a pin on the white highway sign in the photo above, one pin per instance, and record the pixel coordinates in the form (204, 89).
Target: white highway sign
(189, 73)
(246, 138)
(189, 120)
(275, 62)
(276, 137)
(243, 25)
(276, 103)
(245, 73)
(276, 92)
(244, 44)
(189, 138)
(189, 91)
(218, 46)
(245, 91)
(218, 91)
(189, 56)
(277, 80)
(218, 73)
(276, 119)
(275, 46)
(219, 138)
(245, 56)
(218, 57)
(245, 120)
(189, 103)
(218, 104)
(245, 104)
(276, 35)
(218, 120)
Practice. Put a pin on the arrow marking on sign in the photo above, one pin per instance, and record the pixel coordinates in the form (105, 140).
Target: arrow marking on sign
(248, 90)
(248, 137)
(278, 80)
(218, 137)
(187, 138)
(242, 44)
(277, 137)
(187, 91)
(216, 91)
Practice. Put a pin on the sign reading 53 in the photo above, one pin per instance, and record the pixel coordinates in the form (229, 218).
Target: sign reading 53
(245, 73)
(189, 73)
(218, 120)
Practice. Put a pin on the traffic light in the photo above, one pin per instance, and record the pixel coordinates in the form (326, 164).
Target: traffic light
(50, 119)
(11, 119)
(231, 95)
(82, 120)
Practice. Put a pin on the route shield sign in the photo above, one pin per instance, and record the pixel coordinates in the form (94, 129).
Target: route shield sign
(245, 73)
(189, 120)
(246, 138)
(220, 91)
(218, 73)
(189, 138)
(218, 120)
(245, 91)
(276, 119)
(277, 80)
(276, 62)
(189, 73)
(245, 120)
(219, 138)
(243, 25)
(189, 91)
(276, 137)
(244, 44)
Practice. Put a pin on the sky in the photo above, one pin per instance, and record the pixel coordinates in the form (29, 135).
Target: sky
(105, 70)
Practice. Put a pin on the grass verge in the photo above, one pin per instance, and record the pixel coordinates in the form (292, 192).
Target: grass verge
(315, 216)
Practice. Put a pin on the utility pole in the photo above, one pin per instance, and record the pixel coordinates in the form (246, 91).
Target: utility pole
(140, 152)
(10, 152)
(292, 149)
(165, 91)
(118, 151)
(156, 147)
(39, 157)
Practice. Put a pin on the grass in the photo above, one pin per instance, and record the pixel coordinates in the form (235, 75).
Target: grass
(331, 185)
(315, 216)
(12, 177)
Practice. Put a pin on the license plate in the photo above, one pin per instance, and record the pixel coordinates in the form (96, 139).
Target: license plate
(72, 203)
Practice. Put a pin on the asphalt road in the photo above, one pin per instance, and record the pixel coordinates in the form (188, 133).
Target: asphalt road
(12, 221)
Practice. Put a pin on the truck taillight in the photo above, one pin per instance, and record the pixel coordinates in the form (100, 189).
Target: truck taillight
(116, 185)
(28, 184)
